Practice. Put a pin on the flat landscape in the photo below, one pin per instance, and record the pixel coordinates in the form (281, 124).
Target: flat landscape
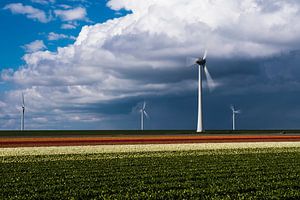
(158, 171)
(149, 165)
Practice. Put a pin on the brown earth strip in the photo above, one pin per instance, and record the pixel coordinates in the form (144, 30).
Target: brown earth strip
(69, 141)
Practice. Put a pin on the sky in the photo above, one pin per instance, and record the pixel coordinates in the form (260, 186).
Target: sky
(91, 64)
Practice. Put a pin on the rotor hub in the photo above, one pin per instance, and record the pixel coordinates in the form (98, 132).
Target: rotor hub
(201, 62)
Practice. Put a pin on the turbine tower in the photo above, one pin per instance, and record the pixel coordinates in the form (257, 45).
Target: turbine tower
(233, 116)
(143, 112)
(23, 112)
(201, 63)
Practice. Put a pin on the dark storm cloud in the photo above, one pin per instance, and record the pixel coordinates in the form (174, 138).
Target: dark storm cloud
(269, 6)
(160, 75)
(266, 90)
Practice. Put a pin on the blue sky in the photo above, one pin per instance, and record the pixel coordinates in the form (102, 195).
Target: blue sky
(90, 64)
(19, 30)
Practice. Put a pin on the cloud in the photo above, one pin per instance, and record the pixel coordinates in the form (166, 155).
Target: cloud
(56, 36)
(29, 11)
(143, 54)
(43, 2)
(68, 26)
(34, 46)
(78, 13)
(2, 104)
(64, 6)
(228, 26)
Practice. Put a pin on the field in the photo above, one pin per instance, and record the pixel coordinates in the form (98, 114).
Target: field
(88, 137)
(170, 171)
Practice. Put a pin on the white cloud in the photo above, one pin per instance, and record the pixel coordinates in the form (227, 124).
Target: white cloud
(68, 26)
(78, 13)
(237, 26)
(56, 36)
(29, 11)
(43, 2)
(64, 6)
(34, 46)
(143, 53)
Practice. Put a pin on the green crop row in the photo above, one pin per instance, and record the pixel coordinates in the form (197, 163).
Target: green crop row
(250, 174)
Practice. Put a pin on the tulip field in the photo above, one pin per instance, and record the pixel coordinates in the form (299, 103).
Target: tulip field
(159, 171)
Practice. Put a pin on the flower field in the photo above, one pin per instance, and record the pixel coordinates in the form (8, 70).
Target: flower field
(76, 140)
(169, 171)
(93, 149)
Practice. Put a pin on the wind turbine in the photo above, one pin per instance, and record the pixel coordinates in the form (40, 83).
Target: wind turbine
(143, 112)
(23, 112)
(201, 63)
(233, 116)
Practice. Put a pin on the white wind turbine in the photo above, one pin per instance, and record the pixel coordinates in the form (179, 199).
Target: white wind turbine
(233, 116)
(143, 112)
(201, 63)
(23, 112)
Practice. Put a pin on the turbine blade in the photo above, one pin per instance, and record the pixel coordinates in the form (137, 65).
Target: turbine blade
(210, 82)
(146, 114)
(144, 105)
(232, 108)
(190, 61)
(205, 54)
(23, 101)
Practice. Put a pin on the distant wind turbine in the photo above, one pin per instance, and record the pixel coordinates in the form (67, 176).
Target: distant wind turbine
(23, 112)
(233, 116)
(201, 64)
(143, 112)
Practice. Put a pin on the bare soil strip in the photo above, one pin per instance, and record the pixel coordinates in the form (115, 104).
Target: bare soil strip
(78, 141)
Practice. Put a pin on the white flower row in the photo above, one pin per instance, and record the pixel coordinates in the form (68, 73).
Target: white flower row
(96, 149)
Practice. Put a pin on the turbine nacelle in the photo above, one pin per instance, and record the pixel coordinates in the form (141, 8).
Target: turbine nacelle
(235, 111)
(144, 113)
(201, 62)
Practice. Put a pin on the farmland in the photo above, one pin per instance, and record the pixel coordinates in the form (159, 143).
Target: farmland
(76, 138)
(188, 172)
